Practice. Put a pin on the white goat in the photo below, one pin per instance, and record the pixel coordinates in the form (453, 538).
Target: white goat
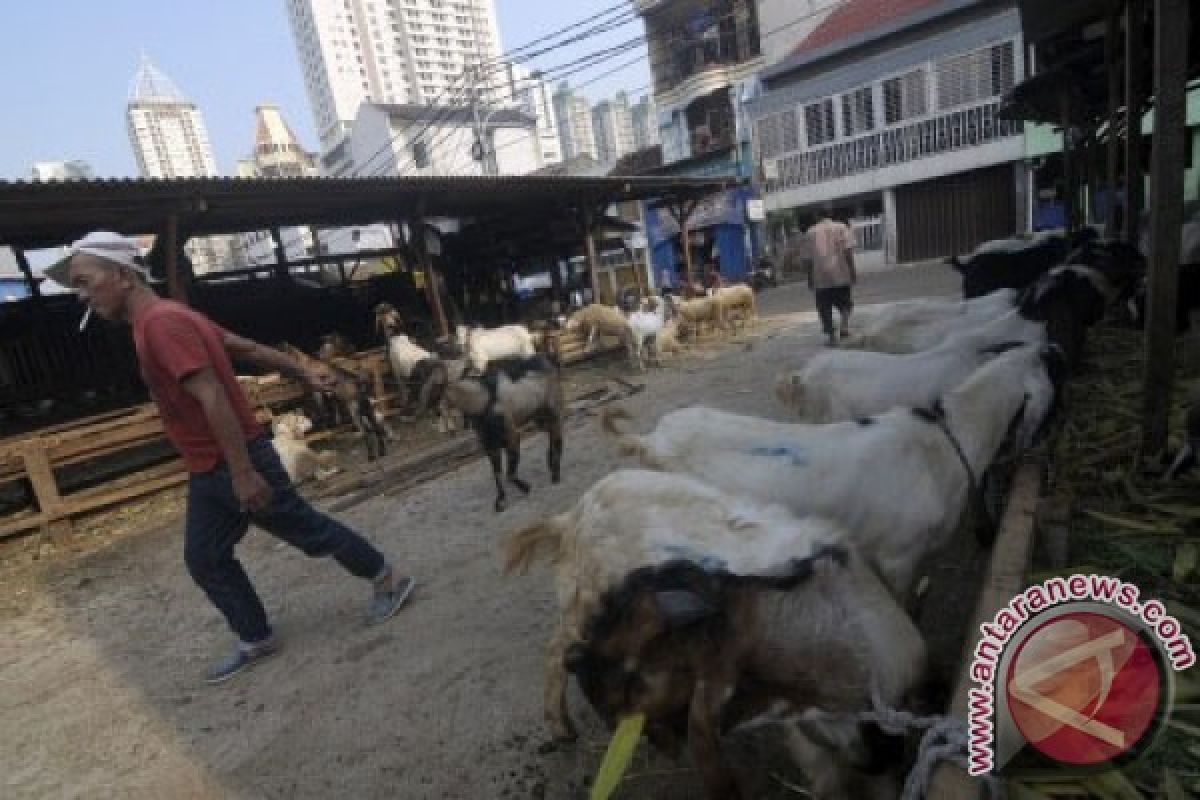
(403, 355)
(910, 326)
(647, 325)
(482, 345)
(835, 386)
(637, 518)
(897, 481)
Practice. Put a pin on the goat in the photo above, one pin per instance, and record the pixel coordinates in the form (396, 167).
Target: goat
(300, 461)
(481, 345)
(387, 320)
(1187, 299)
(595, 320)
(910, 326)
(701, 648)
(835, 386)
(635, 518)
(352, 393)
(646, 326)
(511, 393)
(898, 482)
(1016, 262)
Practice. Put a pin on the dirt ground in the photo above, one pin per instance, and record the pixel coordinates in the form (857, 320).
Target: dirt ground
(101, 654)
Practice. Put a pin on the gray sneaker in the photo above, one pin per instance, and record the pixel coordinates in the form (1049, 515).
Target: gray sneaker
(390, 595)
(242, 658)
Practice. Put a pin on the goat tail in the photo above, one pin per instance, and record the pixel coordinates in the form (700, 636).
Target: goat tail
(629, 444)
(608, 420)
(789, 390)
(541, 540)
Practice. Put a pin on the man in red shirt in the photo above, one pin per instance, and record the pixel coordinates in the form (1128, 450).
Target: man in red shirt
(236, 475)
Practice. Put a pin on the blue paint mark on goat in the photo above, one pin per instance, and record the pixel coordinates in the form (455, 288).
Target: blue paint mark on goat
(794, 455)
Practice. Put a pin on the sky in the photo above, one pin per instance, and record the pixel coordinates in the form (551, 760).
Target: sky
(66, 67)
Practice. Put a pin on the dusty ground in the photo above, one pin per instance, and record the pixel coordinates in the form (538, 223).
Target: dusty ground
(102, 653)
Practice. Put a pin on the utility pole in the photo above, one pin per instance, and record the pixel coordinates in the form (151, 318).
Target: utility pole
(484, 152)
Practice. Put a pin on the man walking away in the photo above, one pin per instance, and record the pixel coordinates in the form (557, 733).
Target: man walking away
(832, 273)
(235, 474)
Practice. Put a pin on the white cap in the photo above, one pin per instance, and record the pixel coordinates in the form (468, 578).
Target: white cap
(102, 244)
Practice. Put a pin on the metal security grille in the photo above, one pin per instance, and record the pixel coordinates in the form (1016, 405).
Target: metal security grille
(974, 76)
(954, 214)
(905, 97)
(818, 122)
(858, 111)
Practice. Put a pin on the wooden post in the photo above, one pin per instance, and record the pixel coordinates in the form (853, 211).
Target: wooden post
(35, 291)
(1166, 217)
(1135, 95)
(1070, 194)
(56, 526)
(432, 293)
(176, 285)
(1112, 63)
(683, 213)
(589, 251)
(281, 270)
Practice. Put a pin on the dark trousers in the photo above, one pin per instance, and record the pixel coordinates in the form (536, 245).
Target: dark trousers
(215, 525)
(828, 299)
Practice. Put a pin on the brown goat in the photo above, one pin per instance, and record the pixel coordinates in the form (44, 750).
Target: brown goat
(352, 394)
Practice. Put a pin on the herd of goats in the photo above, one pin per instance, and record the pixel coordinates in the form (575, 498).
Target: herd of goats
(750, 571)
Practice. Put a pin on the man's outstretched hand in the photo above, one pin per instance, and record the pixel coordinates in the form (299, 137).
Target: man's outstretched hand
(252, 491)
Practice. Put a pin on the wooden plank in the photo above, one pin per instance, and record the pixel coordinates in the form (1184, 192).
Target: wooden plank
(1112, 63)
(1006, 577)
(1166, 217)
(1135, 95)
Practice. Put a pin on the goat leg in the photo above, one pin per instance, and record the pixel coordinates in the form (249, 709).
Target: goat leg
(703, 731)
(558, 716)
(554, 434)
(494, 456)
(513, 451)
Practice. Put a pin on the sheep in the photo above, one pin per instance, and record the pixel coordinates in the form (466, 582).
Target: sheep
(647, 325)
(635, 518)
(693, 314)
(835, 386)
(898, 482)
(1016, 262)
(702, 650)
(597, 320)
(511, 393)
(481, 345)
(300, 461)
(737, 301)
(352, 393)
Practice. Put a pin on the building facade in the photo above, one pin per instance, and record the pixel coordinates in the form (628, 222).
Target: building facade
(529, 92)
(889, 111)
(62, 171)
(644, 118)
(574, 117)
(391, 52)
(612, 123)
(705, 56)
(277, 154)
(170, 140)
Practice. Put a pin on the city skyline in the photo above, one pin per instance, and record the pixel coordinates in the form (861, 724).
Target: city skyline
(87, 123)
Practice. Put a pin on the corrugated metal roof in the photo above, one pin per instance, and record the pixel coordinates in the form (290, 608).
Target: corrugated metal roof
(34, 214)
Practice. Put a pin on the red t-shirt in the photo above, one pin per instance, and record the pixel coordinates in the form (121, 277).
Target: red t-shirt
(174, 342)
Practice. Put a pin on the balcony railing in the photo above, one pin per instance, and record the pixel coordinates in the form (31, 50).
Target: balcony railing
(969, 127)
(684, 57)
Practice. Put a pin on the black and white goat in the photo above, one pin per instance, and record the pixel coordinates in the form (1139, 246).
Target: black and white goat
(1016, 262)
(511, 393)
(898, 482)
(673, 593)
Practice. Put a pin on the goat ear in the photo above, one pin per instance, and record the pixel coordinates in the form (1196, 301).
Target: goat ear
(680, 607)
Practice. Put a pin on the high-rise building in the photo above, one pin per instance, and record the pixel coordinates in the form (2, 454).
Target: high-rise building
(391, 52)
(645, 123)
(574, 117)
(529, 92)
(277, 154)
(62, 171)
(612, 123)
(170, 141)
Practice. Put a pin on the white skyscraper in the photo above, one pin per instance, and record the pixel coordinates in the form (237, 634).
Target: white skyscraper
(574, 124)
(170, 141)
(529, 92)
(62, 171)
(390, 52)
(612, 123)
(645, 123)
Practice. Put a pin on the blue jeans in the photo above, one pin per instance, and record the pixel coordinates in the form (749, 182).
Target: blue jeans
(215, 524)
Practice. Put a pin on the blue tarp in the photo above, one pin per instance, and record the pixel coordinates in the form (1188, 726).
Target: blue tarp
(723, 217)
